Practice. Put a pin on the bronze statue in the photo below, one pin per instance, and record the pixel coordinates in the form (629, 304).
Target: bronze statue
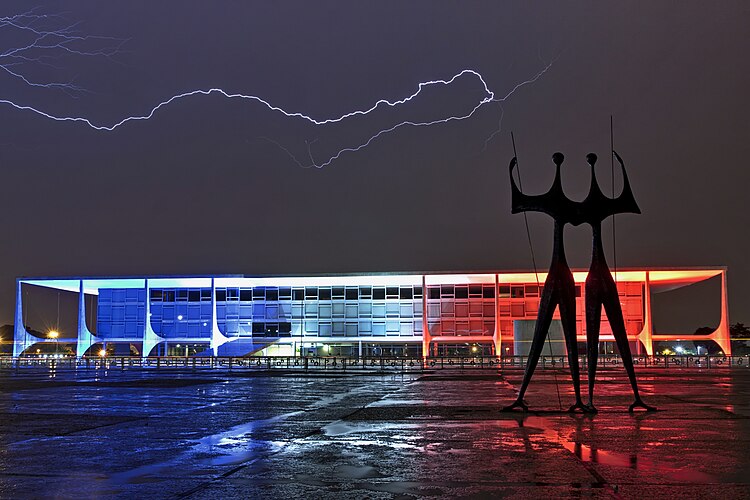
(559, 287)
(601, 289)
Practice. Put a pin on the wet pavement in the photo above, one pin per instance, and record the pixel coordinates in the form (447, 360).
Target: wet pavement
(177, 434)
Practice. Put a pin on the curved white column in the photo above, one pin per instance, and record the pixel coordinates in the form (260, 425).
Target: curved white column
(85, 338)
(150, 338)
(217, 338)
(22, 340)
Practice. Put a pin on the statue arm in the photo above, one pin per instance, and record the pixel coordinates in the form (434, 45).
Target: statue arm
(521, 202)
(625, 203)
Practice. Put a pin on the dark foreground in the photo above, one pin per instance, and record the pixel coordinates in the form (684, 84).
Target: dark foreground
(139, 434)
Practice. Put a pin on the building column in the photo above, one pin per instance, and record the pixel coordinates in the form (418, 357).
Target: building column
(425, 326)
(647, 333)
(721, 335)
(217, 338)
(150, 338)
(21, 338)
(85, 338)
(497, 337)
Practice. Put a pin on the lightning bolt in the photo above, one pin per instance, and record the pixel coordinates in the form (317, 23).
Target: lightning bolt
(47, 39)
(47, 43)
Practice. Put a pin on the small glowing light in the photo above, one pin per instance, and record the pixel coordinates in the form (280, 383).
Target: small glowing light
(178, 345)
(53, 334)
(102, 353)
(679, 349)
(473, 348)
(179, 317)
(205, 324)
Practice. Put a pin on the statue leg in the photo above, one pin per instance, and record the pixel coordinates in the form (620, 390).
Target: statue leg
(547, 306)
(568, 318)
(593, 325)
(614, 315)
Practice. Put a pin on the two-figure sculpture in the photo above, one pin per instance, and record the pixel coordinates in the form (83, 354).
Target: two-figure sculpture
(559, 287)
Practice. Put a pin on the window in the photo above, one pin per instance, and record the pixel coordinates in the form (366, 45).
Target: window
(475, 290)
(462, 292)
(406, 292)
(378, 293)
(446, 291)
(285, 293)
(504, 291)
(156, 295)
(407, 310)
(417, 292)
(324, 293)
(311, 292)
(433, 292)
(324, 311)
(298, 294)
(205, 295)
(246, 294)
(351, 310)
(365, 292)
(337, 292)
(272, 294)
(221, 295)
(259, 293)
(516, 292)
(391, 292)
(392, 309)
(233, 294)
(351, 294)
(194, 296)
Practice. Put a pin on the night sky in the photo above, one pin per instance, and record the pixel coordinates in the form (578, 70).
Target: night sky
(201, 189)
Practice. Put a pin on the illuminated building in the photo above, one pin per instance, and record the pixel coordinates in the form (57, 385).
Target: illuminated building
(364, 314)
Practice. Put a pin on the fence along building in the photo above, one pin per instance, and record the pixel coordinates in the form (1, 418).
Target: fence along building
(364, 314)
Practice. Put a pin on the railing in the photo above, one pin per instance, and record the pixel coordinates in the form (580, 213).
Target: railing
(345, 363)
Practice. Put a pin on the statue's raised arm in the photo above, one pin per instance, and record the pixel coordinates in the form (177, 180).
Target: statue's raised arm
(545, 203)
(625, 203)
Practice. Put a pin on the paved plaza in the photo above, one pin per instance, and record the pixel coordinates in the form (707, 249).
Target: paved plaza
(216, 434)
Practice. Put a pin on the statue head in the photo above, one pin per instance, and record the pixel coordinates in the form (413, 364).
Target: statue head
(558, 158)
(591, 159)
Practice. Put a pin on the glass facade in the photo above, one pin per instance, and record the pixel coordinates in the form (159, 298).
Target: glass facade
(456, 310)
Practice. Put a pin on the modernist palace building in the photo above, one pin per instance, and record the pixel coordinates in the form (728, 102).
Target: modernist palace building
(363, 314)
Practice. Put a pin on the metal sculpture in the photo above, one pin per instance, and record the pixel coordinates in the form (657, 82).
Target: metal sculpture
(559, 287)
(601, 289)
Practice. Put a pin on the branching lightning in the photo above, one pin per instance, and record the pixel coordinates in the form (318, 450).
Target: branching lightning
(45, 39)
(45, 44)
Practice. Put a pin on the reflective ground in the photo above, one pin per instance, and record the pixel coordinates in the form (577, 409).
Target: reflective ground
(170, 434)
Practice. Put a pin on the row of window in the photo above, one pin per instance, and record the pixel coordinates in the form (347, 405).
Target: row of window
(122, 295)
(364, 328)
(272, 311)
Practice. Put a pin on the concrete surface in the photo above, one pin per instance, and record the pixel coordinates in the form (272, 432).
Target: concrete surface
(145, 434)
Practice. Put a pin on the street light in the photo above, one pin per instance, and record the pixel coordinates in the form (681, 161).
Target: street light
(54, 334)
